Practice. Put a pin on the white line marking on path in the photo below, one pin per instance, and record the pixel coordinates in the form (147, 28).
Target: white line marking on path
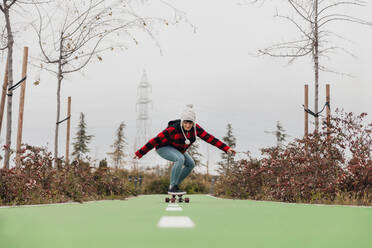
(171, 208)
(175, 222)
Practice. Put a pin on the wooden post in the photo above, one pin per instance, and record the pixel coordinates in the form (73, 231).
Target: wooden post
(3, 95)
(328, 100)
(306, 107)
(68, 130)
(207, 162)
(306, 118)
(21, 106)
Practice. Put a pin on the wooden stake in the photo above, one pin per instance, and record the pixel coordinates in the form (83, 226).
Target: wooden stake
(306, 117)
(21, 106)
(68, 130)
(207, 162)
(306, 107)
(3, 95)
(328, 100)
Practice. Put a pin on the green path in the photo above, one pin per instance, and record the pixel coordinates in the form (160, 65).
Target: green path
(218, 223)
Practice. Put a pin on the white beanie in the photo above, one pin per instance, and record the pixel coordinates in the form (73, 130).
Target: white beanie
(188, 114)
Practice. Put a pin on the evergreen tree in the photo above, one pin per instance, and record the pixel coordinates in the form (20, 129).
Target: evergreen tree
(118, 155)
(227, 159)
(103, 163)
(279, 134)
(82, 140)
(193, 151)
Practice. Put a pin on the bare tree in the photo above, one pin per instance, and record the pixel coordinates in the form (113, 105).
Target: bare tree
(5, 8)
(71, 34)
(312, 19)
(7, 43)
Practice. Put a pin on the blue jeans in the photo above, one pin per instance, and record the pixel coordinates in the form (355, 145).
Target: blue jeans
(178, 173)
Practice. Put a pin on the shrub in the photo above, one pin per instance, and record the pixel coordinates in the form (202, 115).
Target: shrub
(36, 181)
(326, 166)
(157, 186)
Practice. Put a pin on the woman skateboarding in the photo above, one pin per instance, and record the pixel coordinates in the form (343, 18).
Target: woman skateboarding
(172, 143)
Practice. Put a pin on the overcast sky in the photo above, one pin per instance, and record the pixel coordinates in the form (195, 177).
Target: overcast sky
(212, 68)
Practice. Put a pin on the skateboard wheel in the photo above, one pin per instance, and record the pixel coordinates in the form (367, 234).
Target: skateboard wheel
(187, 200)
(173, 200)
(167, 199)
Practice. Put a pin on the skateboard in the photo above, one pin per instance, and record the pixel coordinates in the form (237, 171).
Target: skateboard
(180, 199)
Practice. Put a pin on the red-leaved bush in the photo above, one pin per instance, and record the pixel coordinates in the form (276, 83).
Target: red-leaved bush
(36, 181)
(319, 168)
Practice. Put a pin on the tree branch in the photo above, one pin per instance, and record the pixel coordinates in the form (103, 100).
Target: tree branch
(345, 18)
(90, 55)
(325, 69)
(298, 26)
(11, 4)
(296, 7)
(43, 68)
(357, 3)
(39, 33)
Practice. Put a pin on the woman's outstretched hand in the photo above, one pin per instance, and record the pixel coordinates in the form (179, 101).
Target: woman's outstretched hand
(135, 157)
(231, 151)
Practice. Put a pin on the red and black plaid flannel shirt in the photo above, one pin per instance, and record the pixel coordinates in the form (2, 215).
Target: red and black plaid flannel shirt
(172, 136)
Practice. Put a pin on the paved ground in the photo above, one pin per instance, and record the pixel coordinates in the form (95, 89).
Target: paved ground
(217, 223)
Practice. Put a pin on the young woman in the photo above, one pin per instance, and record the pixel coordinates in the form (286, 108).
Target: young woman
(172, 143)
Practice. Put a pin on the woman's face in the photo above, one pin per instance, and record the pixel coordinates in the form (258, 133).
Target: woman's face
(187, 125)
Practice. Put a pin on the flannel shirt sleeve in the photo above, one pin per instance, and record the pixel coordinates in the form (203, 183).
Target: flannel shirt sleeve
(154, 142)
(211, 139)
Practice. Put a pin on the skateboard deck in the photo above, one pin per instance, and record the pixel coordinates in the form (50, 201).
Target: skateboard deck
(179, 194)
